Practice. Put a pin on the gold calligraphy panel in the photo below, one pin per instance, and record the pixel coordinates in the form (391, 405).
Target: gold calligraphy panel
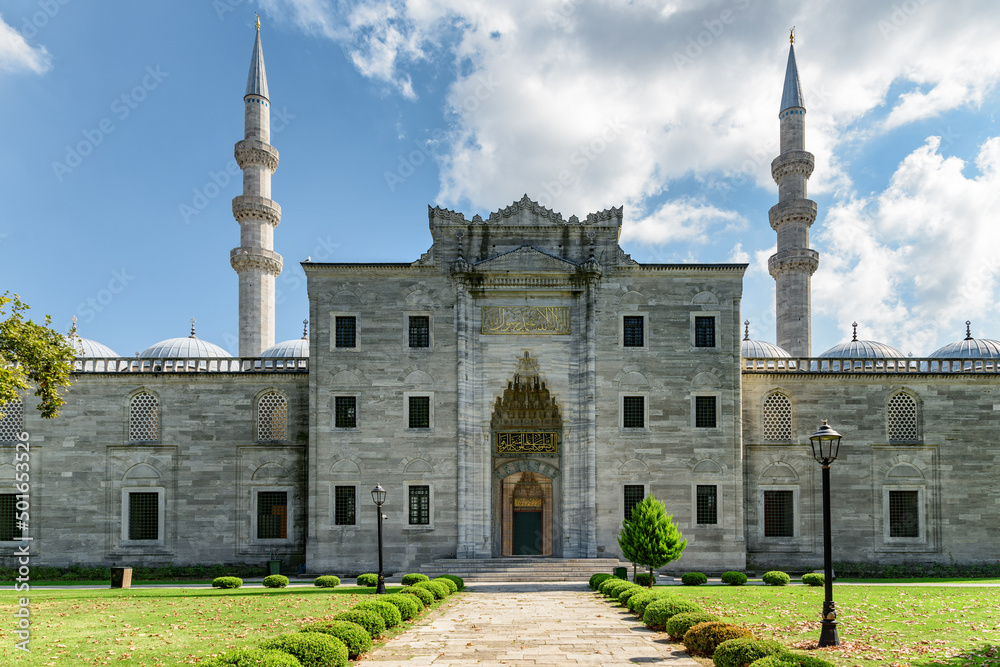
(548, 320)
(527, 442)
(527, 502)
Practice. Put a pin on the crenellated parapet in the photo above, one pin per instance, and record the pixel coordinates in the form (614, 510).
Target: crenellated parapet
(250, 152)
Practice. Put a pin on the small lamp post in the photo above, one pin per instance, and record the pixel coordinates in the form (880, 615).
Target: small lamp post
(378, 495)
(825, 445)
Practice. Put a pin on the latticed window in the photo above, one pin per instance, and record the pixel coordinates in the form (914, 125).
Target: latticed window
(272, 417)
(345, 412)
(420, 412)
(420, 505)
(901, 415)
(346, 332)
(777, 417)
(632, 330)
(144, 417)
(272, 515)
(707, 504)
(420, 331)
(8, 518)
(143, 515)
(779, 514)
(904, 514)
(633, 495)
(704, 332)
(704, 412)
(344, 506)
(12, 423)
(633, 412)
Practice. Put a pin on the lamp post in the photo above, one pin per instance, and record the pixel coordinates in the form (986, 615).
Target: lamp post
(378, 495)
(825, 445)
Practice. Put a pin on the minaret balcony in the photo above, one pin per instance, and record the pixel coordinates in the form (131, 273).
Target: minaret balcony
(798, 260)
(801, 211)
(253, 152)
(249, 259)
(246, 207)
(792, 162)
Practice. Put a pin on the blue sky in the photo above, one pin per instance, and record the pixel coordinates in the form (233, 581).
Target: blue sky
(119, 123)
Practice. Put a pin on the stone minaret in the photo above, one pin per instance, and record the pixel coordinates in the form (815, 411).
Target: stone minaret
(795, 262)
(255, 260)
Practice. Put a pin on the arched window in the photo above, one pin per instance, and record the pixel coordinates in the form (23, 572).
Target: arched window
(144, 417)
(272, 417)
(901, 418)
(777, 417)
(12, 423)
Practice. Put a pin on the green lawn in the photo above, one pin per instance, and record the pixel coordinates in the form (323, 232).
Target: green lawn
(160, 626)
(878, 625)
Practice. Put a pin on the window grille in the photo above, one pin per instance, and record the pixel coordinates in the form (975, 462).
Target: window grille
(632, 329)
(777, 417)
(704, 332)
(8, 518)
(707, 504)
(144, 515)
(779, 514)
(901, 415)
(346, 333)
(12, 424)
(272, 417)
(345, 413)
(144, 417)
(420, 505)
(420, 412)
(344, 506)
(633, 412)
(420, 331)
(904, 514)
(272, 515)
(704, 412)
(633, 495)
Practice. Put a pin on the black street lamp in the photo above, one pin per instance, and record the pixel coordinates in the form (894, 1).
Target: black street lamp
(378, 495)
(825, 445)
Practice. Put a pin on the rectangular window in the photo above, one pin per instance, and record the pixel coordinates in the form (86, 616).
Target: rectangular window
(704, 412)
(707, 504)
(633, 495)
(419, 412)
(633, 412)
(904, 514)
(346, 333)
(272, 515)
(344, 503)
(704, 332)
(345, 412)
(420, 331)
(779, 514)
(143, 515)
(420, 505)
(8, 518)
(633, 331)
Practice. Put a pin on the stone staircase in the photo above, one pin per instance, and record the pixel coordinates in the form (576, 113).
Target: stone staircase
(520, 568)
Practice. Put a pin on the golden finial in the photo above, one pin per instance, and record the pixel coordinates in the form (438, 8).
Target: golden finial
(791, 33)
(258, 21)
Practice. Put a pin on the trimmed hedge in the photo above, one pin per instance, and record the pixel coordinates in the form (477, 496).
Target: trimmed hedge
(409, 606)
(313, 649)
(627, 593)
(734, 578)
(275, 581)
(642, 601)
(658, 612)
(776, 578)
(389, 612)
(813, 579)
(369, 619)
(252, 657)
(355, 638)
(439, 590)
(452, 586)
(610, 581)
(702, 639)
(227, 582)
(741, 652)
(368, 580)
(458, 580)
(422, 594)
(693, 579)
(327, 581)
(645, 579)
(679, 624)
(598, 578)
(616, 586)
(414, 577)
(791, 660)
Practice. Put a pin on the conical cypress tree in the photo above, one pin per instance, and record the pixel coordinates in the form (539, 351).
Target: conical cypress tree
(626, 538)
(652, 537)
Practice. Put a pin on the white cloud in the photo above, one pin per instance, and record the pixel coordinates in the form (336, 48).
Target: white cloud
(16, 54)
(681, 220)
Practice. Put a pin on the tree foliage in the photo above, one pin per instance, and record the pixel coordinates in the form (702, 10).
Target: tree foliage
(32, 354)
(650, 537)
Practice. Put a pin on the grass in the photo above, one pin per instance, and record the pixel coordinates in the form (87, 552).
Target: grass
(71, 628)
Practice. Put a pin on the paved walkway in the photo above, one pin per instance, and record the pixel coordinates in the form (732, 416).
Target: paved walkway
(528, 624)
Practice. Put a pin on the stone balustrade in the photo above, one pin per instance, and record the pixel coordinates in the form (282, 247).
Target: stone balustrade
(853, 366)
(197, 365)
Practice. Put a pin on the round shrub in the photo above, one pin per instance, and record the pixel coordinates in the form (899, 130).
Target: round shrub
(327, 581)
(610, 581)
(813, 579)
(615, 587)
(645, 579)
(702, 639)
(369, 579)
(458, 580)
(627, 593)
(412, 578)
(355, 638)
(776, 578)
(252, 657)
(734, 578)
(646, 596)
(275, 581)
(388, 611)
(598, 578)
(439, 590)
(424, 595)
(313, 649)
(788, 659)
(408, 605)
(694, 579)
(227, 582)
(679, 624)
(643, 602)
(369, 619)
(740, 652)
(452, 586)
(658, 612)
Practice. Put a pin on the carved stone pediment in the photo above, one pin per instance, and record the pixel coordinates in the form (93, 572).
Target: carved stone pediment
(526, 259)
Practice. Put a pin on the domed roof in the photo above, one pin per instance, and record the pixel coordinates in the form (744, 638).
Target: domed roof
(290, 348)
(757, 349)
(86, 348)
(863, 349)
(184, 348)
(970, 348)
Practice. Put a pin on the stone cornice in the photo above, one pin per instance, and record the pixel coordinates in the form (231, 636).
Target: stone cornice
(799, 260)
(246, 207)
(243, 259)
(802, 211)
(251, 151)
(792, 162)
(525, 204)
(681, 269)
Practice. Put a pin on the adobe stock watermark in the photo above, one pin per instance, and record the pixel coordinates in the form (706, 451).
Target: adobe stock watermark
(713, 30)
(122, 107)
(223, 7)
(581, 159)
(899, 16)
(88, 309)
(560, 16)
(47, 10)
(22, 505)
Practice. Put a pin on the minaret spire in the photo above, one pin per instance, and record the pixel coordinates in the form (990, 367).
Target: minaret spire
(255, 260)
(794, 263)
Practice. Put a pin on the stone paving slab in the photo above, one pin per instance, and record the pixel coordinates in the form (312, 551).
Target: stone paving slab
(528, 624)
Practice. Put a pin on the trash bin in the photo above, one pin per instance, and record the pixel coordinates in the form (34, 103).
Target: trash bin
(274, 567)
(121, 577)
(621, 573)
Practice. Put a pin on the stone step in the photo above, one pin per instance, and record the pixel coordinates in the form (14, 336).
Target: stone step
(520, 569)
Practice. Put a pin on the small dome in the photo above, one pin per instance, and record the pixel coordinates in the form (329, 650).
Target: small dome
(970, 348)
(86, 348)
(758, 349)
(184, 348)
(863, 349)
(289, 348)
